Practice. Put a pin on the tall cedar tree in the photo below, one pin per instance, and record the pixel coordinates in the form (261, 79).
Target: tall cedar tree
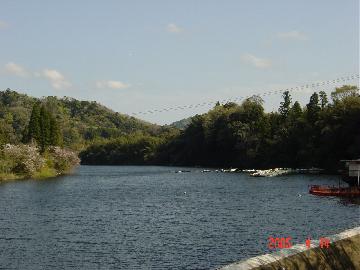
(33, 132)
(42, 129)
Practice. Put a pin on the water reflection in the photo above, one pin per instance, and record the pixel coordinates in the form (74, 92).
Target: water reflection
(349, 201)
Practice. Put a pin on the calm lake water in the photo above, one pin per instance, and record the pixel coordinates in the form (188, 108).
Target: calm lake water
(134, 217)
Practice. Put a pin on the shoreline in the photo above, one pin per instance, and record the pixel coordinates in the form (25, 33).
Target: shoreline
(272, 172)
(310, 170)
(18, 177)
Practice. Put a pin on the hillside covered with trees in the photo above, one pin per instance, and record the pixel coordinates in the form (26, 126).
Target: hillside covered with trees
(39, 155)
(81, 123)
(319, 134)
(41, 138)
(181, 124)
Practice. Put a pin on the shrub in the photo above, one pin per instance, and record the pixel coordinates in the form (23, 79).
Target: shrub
(19, 161)
(22, 159)
(63, 160)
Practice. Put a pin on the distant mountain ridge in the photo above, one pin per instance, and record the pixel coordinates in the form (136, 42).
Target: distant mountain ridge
(82, 122)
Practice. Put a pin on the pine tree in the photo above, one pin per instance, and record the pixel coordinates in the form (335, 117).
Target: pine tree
(45, 126)
(42, 129)
(323, 99)
(313, 108)
(295, 111)
(33, 132)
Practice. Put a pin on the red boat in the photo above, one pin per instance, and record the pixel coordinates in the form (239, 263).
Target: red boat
(334, 191)
(352, 178)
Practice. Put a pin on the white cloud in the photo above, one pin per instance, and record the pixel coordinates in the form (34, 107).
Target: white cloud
(16, 70)
(173, 28)
(294, 35)
(256, 61)
(3, 25)
(112, 84)
(56, 79)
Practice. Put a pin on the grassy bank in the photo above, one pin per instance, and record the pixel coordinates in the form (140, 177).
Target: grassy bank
(10, 176)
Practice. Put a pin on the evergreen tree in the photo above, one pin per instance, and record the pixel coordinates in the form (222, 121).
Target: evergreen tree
(42, 129)
(55, 134)
(313, 108)
(284, 108)
(296, 110)
(45, 126)
(295, 114)
(33, 132)
(323, 99)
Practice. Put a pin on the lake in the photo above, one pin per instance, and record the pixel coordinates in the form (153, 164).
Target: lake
(149, 217)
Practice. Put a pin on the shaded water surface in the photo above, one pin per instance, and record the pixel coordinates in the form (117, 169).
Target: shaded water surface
(134, 217)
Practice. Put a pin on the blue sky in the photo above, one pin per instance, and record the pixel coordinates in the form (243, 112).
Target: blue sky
(141, 55)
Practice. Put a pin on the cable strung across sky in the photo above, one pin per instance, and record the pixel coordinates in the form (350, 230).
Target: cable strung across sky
(236, 99)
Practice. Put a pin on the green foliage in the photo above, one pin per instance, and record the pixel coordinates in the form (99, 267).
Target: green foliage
(20, 159)
(181, 124)
(55, 133)
(61, 160)
(26, 161)
(34, 128)
(6, 132)
(285, 105)
(323, 99)
(313, 108)
(43, 129)
(245, 136)
(237, 135)
(133, 149)
(343, 92)
(63, 121)
(45, 172)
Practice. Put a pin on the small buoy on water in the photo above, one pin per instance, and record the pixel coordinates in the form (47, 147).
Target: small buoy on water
(184, 192)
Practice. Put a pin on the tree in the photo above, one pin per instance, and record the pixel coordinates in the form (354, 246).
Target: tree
(296, 110)
(55, 133)
(345, 91)
(7, 132)
(34, 128)
(256, 99)
(313, 108)
(323, 99)
(45, 126)
(284, 108)
(42, 128)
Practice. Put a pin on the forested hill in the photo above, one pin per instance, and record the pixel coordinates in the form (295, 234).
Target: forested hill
(181, 124)
(317, 134)
(82, 122)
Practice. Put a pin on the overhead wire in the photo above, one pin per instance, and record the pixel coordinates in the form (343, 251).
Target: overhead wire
(268, 93)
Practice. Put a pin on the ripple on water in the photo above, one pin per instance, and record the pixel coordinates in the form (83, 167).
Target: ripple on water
(133, 217)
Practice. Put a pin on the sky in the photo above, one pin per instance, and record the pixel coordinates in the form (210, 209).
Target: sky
(135, 56)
